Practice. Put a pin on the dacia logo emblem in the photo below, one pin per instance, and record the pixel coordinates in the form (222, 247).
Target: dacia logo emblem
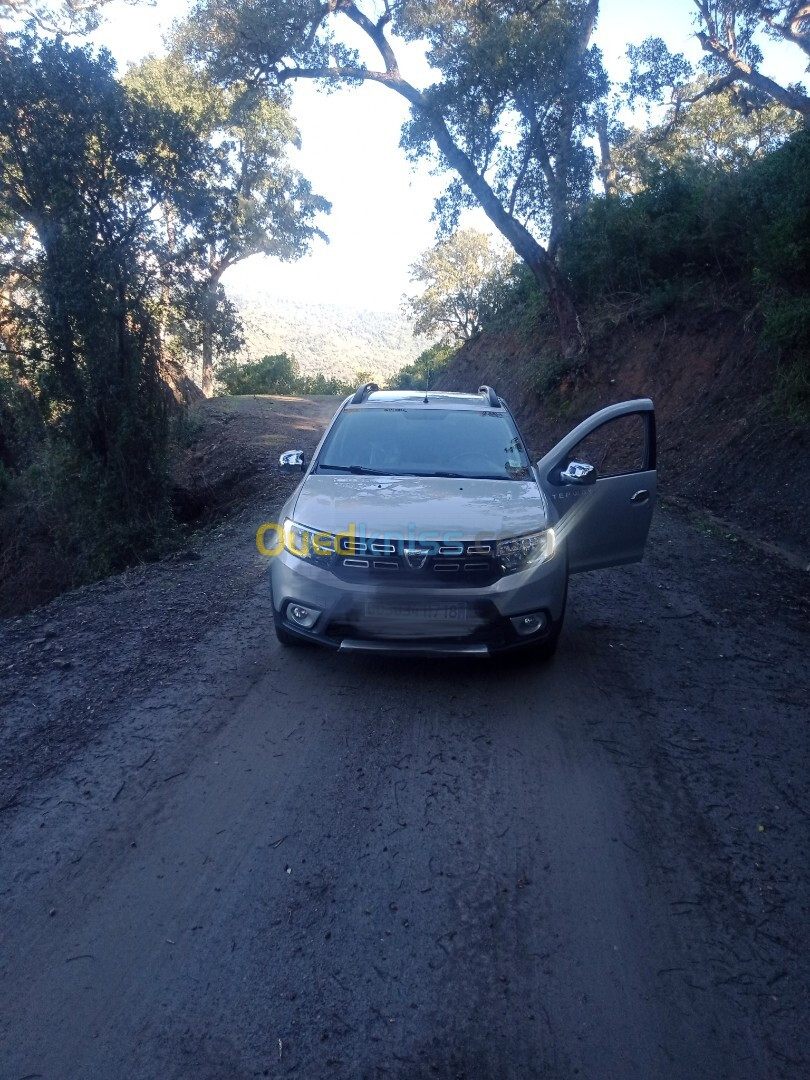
(416, 557)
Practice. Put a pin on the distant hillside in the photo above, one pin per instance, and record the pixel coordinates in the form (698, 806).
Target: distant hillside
(327, 338)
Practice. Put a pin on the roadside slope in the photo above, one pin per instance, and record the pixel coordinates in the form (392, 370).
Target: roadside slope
(68, 668)
(724, 445)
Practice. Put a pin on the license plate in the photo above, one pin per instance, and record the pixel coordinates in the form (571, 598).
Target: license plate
(447, 612)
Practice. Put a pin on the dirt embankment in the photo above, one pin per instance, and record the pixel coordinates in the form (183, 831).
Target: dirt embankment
(723, 446)
(232, 450)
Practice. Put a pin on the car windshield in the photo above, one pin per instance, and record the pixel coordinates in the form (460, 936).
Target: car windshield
(425, 442)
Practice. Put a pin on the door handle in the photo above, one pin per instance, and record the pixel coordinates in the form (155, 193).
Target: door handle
(640, 497)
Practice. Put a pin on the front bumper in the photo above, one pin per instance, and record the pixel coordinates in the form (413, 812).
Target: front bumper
(418, 619)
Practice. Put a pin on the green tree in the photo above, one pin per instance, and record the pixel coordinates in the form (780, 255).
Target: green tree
(460, 277)
(54, 16)
(729, 32)
(728, 129)
(508, 115)
(281, 374)
(271, 375)
(252, 203)
(84, 166)
(424, 370)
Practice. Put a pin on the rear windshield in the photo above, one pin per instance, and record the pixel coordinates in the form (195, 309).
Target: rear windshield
(425, 442)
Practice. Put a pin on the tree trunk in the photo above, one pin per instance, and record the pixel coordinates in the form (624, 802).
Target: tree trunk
(542, 266)
(559, 217)
(166, 272)
(207, 357)
(607, 168)
(536, 257)
(572, 336)
(208, 318)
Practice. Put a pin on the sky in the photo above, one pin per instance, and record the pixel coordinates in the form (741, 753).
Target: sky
(381, 207)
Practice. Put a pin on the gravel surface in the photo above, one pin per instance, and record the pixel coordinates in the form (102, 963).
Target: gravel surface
(223, 860)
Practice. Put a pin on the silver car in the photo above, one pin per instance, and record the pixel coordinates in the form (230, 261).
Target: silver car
(422, 526)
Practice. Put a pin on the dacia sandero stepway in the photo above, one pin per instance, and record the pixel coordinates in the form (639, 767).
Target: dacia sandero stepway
(422, 526)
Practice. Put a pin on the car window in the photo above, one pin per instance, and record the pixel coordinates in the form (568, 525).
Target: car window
(616, 447)
(422, 442)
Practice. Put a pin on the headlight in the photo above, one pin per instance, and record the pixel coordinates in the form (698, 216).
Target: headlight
(304, 543)
(524, 551)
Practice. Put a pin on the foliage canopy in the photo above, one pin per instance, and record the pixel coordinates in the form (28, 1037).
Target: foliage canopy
(252, 201)
(727, 130)
(280, 374)
(509, 114)
(83, 166)
(461, 277)
(730, 33)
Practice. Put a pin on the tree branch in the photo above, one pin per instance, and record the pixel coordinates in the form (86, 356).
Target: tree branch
(558, 179)
(326, 9)
(792, 28)
(717, 87)
(534, 254)
(706, 15)
(394, 81)
(375, 31)
(534, 127)
(791, 99)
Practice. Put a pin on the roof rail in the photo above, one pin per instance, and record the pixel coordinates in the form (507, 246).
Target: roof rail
(491, 396)
(362, 392)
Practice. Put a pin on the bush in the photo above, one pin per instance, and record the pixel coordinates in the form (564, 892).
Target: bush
(520, 302)
(698, 234)
(21, 426)
(550, 370)
(787, 330)
(281, 375)
(793, 390)
(787, 323)
(695, 225)
(330, 385)
(778, 217)
(63, 524)
(684, 229)
(414, 376)
(186, 427)
(270, 375)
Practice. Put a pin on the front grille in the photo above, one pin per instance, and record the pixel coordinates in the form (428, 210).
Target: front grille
(469, 563)
(483, 624)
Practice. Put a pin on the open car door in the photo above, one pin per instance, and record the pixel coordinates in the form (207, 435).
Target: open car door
(604, 515)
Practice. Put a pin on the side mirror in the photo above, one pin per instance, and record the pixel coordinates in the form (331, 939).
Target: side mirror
(578, 472)
(291, 461)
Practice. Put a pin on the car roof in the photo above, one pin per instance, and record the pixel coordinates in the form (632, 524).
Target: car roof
(436, 399)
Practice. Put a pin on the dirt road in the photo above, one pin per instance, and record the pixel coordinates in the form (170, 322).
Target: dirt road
(222, 860)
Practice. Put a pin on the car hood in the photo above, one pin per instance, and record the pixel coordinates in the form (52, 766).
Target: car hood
(414, 505)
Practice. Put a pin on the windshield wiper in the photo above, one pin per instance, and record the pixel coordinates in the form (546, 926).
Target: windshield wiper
(360, 470)
(447, 475)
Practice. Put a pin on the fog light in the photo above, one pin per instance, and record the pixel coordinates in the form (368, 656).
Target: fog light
(529, 624)
(302, 616)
